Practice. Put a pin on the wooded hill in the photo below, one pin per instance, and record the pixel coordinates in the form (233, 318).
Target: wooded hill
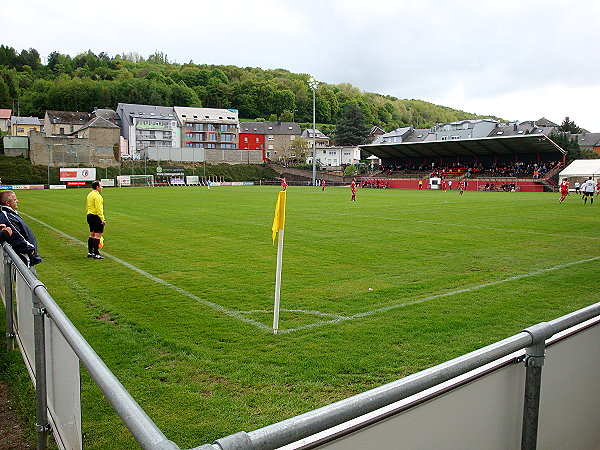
(87, 80)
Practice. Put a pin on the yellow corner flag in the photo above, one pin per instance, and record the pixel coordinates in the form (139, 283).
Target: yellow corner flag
(279, 219)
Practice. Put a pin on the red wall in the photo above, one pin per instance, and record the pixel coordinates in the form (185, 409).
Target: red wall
(255, 142)
(473, 185)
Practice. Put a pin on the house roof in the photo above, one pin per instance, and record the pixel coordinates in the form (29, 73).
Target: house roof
(108, 114)
(543, 122)
(127, 111)
(308, 133)
(68, 117)
(203, 115)
(530, 143)
(100, 122)
(5, 113)
(289, 128)
(588, 140)
(16, 120)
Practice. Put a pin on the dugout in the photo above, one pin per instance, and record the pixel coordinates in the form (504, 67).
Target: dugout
(530, 148)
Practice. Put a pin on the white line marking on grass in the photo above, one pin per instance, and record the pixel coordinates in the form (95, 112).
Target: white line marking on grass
(240, 315)
(433, 297)
(215, 306)
(303, 311)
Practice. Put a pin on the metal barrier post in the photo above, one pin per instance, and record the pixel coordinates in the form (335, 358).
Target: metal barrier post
(534, 360)
(8, 299)
(42, 427)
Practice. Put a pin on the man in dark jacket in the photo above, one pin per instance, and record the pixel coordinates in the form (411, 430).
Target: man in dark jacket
(22, 240)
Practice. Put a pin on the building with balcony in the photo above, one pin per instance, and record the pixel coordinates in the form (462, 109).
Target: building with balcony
(147, 126)
(208, 128)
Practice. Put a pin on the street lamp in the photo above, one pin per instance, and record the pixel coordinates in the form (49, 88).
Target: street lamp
(313, 85)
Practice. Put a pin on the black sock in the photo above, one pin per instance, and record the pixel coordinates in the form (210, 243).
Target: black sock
(96, 244)
(90, 245)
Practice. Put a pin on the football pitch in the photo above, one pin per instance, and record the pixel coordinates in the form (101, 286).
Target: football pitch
(181, 309)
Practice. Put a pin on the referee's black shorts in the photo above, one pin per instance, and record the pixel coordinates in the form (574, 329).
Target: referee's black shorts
(95, 223)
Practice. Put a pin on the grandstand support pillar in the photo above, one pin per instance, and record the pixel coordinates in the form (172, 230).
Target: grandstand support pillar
(534, 360)
(42, 427)
(8, 301)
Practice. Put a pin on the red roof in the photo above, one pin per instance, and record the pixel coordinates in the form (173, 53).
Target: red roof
(5, 113)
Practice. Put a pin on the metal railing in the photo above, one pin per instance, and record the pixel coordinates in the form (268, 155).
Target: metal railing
(149, 436)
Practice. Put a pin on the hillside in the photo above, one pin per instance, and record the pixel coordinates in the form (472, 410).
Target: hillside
(87, 80)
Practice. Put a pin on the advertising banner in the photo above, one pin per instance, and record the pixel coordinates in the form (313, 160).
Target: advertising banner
(57, 186)
(77, 174)
(107, 182)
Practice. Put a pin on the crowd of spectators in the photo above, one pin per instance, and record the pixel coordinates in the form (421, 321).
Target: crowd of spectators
(514, 169)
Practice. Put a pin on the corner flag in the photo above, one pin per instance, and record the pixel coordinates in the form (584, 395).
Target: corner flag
(278, 225)
(279, 219)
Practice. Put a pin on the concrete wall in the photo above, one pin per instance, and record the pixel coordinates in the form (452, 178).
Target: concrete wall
(61, 152)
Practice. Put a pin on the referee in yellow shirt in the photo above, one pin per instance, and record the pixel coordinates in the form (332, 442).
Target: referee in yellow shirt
(94, 206)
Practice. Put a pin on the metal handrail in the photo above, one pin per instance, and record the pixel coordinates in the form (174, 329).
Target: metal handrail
(143, 429)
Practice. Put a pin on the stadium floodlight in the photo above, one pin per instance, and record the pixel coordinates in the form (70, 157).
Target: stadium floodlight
(313, 85)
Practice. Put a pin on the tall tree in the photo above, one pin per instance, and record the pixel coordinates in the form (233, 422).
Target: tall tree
(569, 126)
(352, 128)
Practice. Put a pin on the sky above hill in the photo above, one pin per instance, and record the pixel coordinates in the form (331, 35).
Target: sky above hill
(515, 59)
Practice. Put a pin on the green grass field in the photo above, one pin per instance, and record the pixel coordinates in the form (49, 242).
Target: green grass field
(372, 291)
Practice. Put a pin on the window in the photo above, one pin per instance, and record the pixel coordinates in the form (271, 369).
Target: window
(211, 127)
(257, 140)
(245, 139)
(271, 138)
(212, 136)
(224, 128)
(292, 137)
(270, 147)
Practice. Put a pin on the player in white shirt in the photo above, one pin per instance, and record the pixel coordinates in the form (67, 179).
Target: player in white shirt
(588, 190)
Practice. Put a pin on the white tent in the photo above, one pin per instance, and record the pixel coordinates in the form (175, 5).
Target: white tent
(582, 169)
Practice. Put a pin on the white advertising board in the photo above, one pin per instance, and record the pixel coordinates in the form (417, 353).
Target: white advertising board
(107, 182)
(77, 174)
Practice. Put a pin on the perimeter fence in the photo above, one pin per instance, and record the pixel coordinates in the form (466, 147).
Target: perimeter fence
(490, 398)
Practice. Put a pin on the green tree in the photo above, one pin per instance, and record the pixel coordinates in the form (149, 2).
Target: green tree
(569, 126)
(5, 98)
(568, 143)
(352, 128)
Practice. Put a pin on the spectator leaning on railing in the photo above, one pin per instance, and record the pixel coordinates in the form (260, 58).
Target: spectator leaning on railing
(22, 239)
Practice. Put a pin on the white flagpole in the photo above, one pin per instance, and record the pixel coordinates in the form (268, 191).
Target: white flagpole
(278, 281)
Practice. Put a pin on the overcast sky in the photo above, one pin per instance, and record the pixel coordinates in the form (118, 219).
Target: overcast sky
(519, 60)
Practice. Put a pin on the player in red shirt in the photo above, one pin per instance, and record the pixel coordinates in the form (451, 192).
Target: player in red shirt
(461, 187)
(323, 184)
(444, 184)
(283, 184)
(597, 188)
(353, 189)
(564, 190)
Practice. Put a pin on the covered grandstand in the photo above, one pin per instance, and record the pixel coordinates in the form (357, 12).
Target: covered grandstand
(530, 161)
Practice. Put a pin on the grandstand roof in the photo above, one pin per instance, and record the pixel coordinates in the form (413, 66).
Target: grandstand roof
(505, 145)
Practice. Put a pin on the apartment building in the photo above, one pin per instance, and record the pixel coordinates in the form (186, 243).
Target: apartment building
(147, 126)
(208, 128)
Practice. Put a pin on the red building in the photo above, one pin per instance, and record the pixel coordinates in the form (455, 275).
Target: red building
(252, 142)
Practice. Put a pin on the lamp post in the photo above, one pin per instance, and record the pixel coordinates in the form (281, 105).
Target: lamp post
(313, 85)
